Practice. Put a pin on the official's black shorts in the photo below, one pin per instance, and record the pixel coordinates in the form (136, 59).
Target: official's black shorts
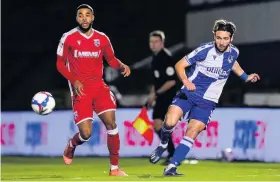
(161, 107)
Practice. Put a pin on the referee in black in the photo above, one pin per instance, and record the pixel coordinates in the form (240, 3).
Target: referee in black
(164, 85)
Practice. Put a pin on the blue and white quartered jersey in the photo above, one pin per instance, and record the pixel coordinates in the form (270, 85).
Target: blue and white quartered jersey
(210, 70)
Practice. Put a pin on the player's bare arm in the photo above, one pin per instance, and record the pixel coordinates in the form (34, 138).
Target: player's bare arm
(254, 77)
(180, 68)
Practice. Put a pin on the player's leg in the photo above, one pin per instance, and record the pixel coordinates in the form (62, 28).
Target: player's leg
(159, 112)
(157, 121)
(180, 105)
(83, 111)
(105, 107)
(199, 119)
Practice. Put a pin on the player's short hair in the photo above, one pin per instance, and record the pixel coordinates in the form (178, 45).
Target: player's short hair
(85, 6)
(224, 25)
(158, 33)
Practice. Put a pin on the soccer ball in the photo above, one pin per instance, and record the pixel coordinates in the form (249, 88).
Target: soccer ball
(226, 155)
(43, 103)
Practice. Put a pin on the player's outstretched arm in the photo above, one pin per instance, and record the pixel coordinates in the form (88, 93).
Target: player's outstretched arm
(180, 68)
(241, 73)
(113, 61)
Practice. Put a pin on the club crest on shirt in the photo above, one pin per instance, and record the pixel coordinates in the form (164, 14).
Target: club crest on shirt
(96, 42)
(230, 59)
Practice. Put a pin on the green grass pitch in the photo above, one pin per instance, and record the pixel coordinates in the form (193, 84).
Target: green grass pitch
(138, 169)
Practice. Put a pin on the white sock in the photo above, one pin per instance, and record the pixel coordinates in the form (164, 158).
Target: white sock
(163, 145)
(114, 167)
(70, 144)
(170, 166)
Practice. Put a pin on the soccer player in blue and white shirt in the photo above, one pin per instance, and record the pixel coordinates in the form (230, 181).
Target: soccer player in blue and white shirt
(210, 65)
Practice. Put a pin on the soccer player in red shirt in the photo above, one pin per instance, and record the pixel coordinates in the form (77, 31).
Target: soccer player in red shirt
(80, 60)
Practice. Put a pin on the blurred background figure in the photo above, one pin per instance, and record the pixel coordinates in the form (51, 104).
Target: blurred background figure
(164, 86)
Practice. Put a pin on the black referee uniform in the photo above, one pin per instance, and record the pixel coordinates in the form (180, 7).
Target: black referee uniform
(163, 71)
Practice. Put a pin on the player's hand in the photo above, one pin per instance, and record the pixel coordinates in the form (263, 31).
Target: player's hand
(79, 88)
(125, 70)
(189, 85)
(253, 78)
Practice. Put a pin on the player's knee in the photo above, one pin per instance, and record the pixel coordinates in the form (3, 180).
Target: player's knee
(85, 134)
(157, 124)
(111, 125)
(157, 128)
(170, 120)
(172, 116)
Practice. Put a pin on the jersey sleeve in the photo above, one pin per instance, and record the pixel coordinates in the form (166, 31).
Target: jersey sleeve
(62, 48)
(234, 52)
(61, 60)
(198, 54)
(109, 54)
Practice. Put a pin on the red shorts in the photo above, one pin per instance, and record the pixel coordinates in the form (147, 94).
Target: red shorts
(98, 100)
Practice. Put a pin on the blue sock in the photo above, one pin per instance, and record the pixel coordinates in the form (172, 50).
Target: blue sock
(166, 133)
(181, 151)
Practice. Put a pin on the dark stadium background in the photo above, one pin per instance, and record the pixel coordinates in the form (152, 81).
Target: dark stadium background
(31, 31)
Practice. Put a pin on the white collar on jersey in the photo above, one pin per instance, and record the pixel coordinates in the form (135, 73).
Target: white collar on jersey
(84, 35)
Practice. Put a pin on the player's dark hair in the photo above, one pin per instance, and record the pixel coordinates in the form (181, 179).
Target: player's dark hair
(85, 6)
(224, 25)
(158, 33)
